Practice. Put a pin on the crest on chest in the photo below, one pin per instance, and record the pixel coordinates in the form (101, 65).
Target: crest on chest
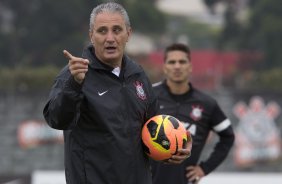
(139, 90)
(196, 112)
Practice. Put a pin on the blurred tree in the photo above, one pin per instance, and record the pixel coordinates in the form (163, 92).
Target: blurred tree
(197, 35)
(228, 38)
(258, 36)
(211, 3)
(40, 29)
(231, 31)
(264, 31)
(145, 17)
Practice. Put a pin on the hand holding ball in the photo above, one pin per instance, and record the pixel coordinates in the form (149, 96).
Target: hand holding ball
(162, 136)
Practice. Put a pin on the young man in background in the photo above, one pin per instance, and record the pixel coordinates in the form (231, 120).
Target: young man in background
(199, 112)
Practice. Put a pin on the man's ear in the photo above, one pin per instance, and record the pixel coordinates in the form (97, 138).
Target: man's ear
(164, 69)
(191, 68)
(129, 32)
(90, 36)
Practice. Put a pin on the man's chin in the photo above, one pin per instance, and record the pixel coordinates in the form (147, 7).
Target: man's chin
(111, 57)
(112, 60)
(179, 81)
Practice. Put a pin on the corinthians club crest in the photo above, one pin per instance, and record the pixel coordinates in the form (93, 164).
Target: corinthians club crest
(258, 137)
(139, 90)
(196, 113)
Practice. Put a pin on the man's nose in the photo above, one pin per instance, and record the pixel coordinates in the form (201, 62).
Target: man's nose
(110, 36)
(177, 64)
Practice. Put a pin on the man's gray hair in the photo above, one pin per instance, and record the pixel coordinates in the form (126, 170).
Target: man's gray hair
(111, 7)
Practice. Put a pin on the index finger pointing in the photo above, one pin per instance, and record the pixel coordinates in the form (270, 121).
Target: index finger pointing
(67, 54)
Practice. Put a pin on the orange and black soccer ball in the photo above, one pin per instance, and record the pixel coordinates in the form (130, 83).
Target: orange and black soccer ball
(162, 136)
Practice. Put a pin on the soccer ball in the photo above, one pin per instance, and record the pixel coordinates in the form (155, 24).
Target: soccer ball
(162, 135)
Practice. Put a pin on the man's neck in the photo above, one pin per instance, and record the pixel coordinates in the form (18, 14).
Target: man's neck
(178, 88)
(112, 63)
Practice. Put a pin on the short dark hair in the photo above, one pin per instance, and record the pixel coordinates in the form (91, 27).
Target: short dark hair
(178, 47)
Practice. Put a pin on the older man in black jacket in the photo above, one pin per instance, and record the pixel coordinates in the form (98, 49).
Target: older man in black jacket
(102, 101)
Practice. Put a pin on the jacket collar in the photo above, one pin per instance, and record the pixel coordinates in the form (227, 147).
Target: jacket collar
(128, 67)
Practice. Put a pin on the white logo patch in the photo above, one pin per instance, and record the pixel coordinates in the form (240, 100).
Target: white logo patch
(102, 93)
(139, 90)
(196, 113)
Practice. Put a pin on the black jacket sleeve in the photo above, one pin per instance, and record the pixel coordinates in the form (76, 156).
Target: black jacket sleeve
(220, 152)
(62, 110)
(153, 105)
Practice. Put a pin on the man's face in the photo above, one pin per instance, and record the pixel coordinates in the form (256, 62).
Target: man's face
(177, 67)
(109, 37)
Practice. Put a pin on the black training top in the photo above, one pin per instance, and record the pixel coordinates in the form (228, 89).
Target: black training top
(200, 114)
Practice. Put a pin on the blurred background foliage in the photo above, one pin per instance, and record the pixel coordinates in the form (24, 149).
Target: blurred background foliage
(24, 79)
(34, 32)
(262, 31)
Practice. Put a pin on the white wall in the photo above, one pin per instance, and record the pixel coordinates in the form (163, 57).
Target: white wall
(242, 178)
(58, 177)
(48, 177)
